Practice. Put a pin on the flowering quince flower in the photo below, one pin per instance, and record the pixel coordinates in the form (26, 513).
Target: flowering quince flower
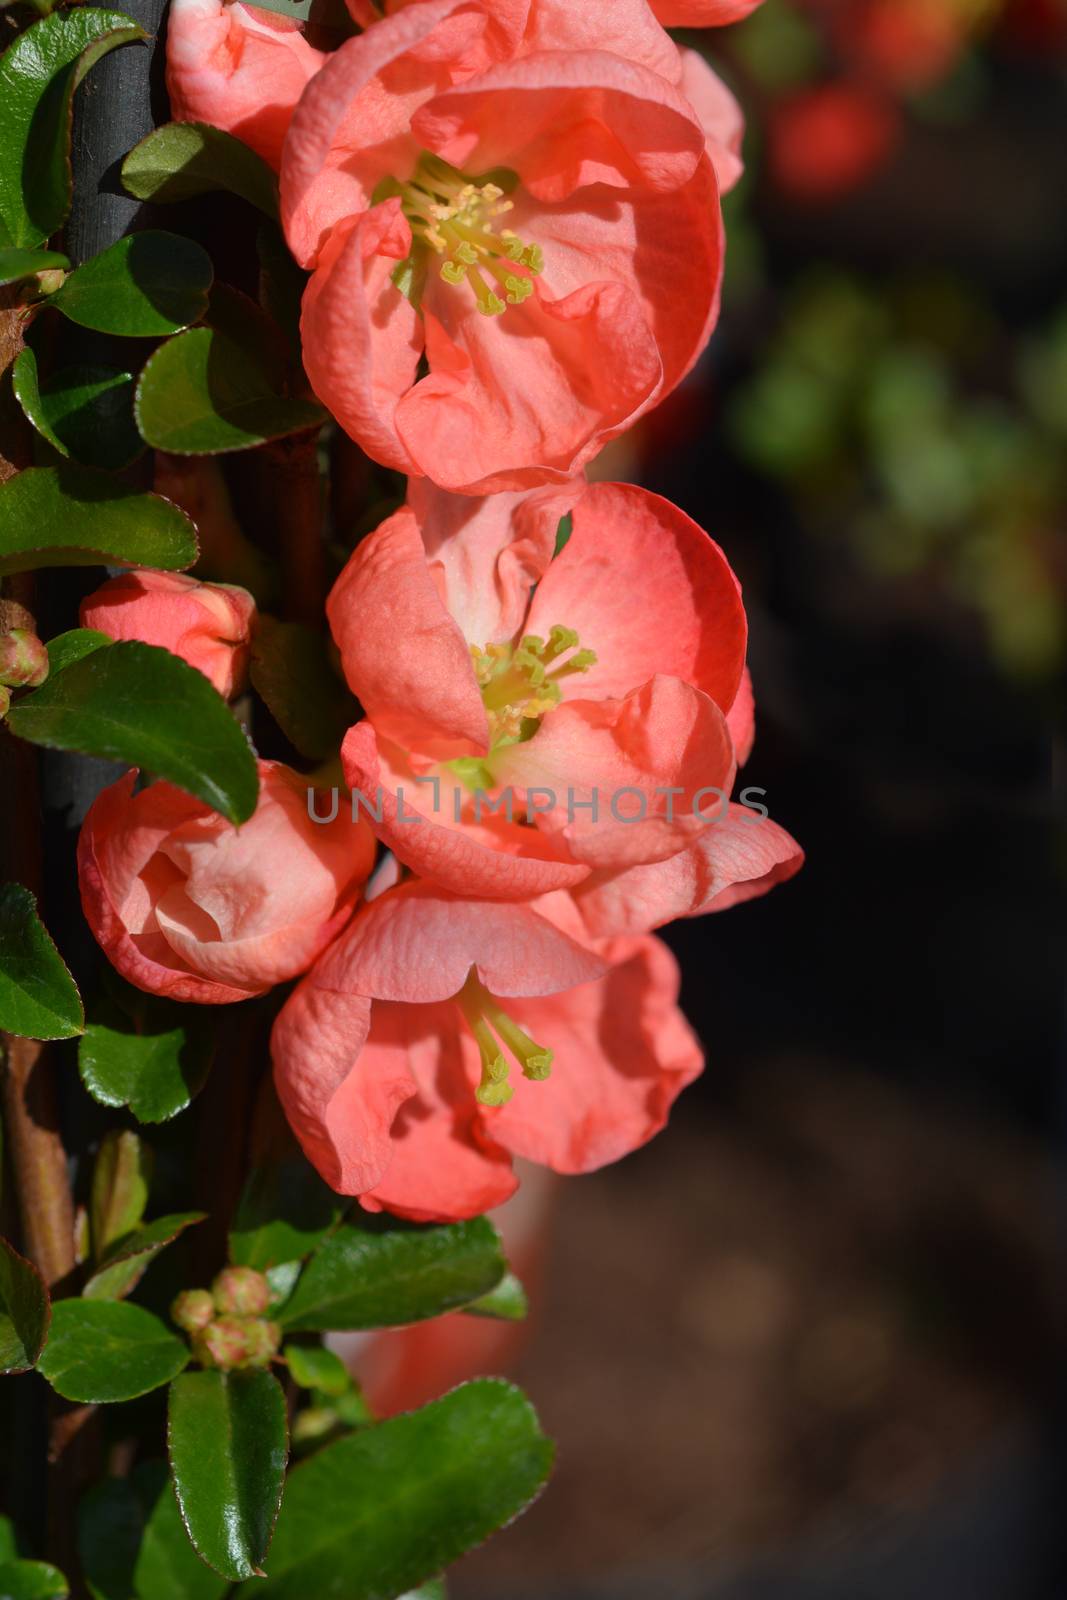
(208, 624)
(394, 1057)
(600, 709)
(540, 224)
(702, 13)
(239, 68)
(188, 906)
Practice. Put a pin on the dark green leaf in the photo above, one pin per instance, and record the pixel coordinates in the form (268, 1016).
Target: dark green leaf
(24, 1311)
(38, 997)
(284, 1212)
(122, 1174)
(183, 159)
(133, 1545)
(291, 671)
(237, 317)
(563, 534)
(329, 15)
(281, 284)
(100, 1351)
(65, 516)
(228, 1444)
(378, 1272)
(201, 394)
(434, 1589)
(379, 1511)
(507, 1302)
(314, 1367)
(151, 1055)
(84, 412)
(143, 286)
(38, 75)
(16, 264)
(142, 705)
(31, 1580)
(9, 1549)
(66, 648)
(122, 1267)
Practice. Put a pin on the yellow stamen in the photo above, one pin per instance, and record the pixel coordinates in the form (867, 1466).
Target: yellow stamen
(517, 686)
(487, 1020)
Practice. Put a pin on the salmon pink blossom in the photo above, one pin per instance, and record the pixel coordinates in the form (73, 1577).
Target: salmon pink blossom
(208, 624)
(537, 223)
(186, 905)
(441, 1036)
(702, 13)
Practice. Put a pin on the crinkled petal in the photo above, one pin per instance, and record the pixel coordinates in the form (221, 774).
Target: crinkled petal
(720, 116)
(624, 28)
(741, 719)
(414, 814)
(239, 68)
(737, 859)
(403, 655)
(623, 1053)
(647, 590)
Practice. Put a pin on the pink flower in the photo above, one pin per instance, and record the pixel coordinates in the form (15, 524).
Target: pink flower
(597, 709)
(238, 68)
(535, 219)
(208, 624)
(701, 13)
(392, 1058)
(186, 905)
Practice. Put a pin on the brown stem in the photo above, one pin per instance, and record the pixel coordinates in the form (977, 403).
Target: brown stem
(31, 1120)
(293, 479)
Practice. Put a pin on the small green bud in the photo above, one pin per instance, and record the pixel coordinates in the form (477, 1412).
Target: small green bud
(23, 659)
(5, 701)
(192, 1310)
(263, 1341)
(241, 1291)
(223, 1343)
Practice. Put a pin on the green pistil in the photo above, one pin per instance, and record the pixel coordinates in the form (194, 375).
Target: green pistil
(520, 683)
(489, 1023)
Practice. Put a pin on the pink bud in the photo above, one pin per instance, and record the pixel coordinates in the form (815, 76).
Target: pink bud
(263, 1340)
(208, 624)
(223, 1343)
(193, 1310)
(23, 659)
(241, 1291)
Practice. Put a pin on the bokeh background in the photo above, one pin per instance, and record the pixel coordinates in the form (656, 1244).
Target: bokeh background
(809, 1343)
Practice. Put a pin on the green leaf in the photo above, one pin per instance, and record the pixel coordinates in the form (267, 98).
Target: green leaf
(38, 997)
(133, 1545)
(381, 1510)
(24, 1311)
(66, 648)
(285, 1210)
(100, 1351)
(32, 1580)
(39, 73)
(291, 671)
(432, 1590)
(18, 264)
(142, 286)
(65, 516)
(379, 1272)
(136, 703)
(84, 412)
(149, 1054)
(183, 159)
(507, 1302)
(9, 1549)
(122, 1174)
(314, 1367)
(563, 534)
(202, 394)
(123, 1265)
(228, 1444)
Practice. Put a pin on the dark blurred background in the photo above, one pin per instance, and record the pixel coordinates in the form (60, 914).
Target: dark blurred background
(809, 1343)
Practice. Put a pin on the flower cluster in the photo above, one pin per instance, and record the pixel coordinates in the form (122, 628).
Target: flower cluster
(509, 210)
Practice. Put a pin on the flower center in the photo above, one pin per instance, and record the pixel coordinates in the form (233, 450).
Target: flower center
(456, 217)
(491, 1026)
(519, 683)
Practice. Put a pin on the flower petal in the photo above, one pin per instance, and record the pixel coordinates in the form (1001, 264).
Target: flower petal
(701, 13)
(720, 116)
(741, 719)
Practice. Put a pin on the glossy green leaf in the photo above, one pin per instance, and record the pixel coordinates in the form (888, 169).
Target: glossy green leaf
(292, 673)
(183, 159)
(66, 516)
(314, 1367)
(66, 648)
(122, 1176)
(39, 72)
(32, 1580)
(507, 1302)
(149, 1054)
(381, 1510)
(202, 394)
(132, 1543)
(84, 412)
(143, 286)
(38, 997)
(379, 1272)
(136, 703)
(284, 1212)
(228, 1445)
(100, 1351)
(24, 1311)
(17, 264)
(124, 1264)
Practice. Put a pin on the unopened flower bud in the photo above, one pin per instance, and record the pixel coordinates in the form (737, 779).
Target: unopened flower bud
(193, 1310)
(263, 1340)
(208, 624)
(23, 659)
(241, 1291)
(223, 1343)
(5, 701)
